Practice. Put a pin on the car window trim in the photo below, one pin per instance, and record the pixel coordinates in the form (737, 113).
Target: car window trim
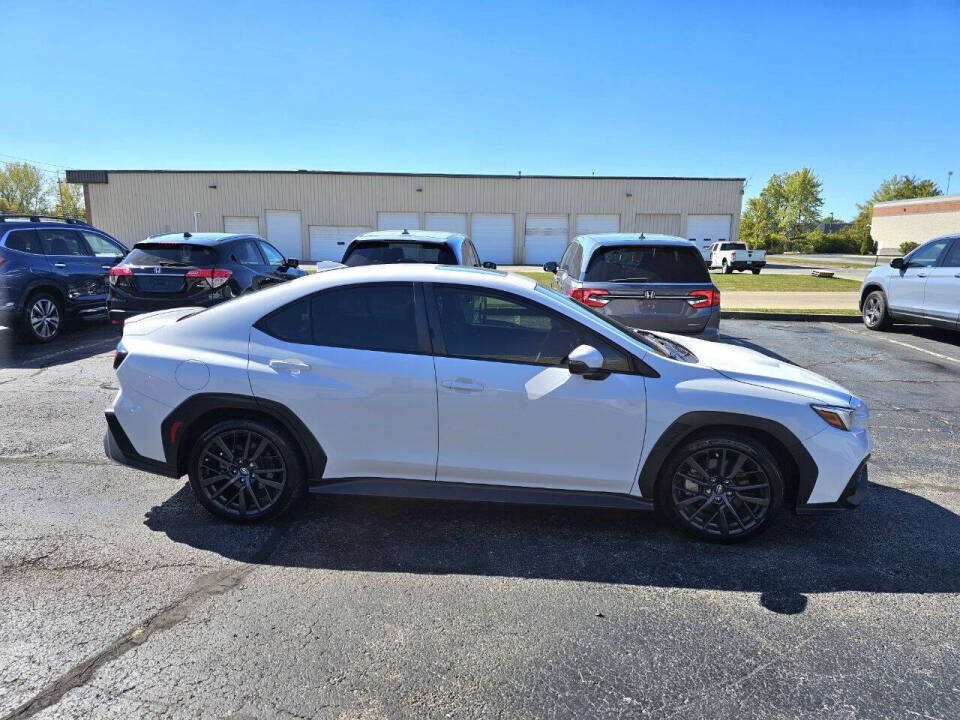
(638, 366)
(423, 338)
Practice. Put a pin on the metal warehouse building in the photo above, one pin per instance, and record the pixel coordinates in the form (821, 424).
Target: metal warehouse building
(919, 220)
(313, 215)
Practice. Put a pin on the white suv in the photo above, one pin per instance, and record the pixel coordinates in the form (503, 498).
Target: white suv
(922, 287)
(421, 381)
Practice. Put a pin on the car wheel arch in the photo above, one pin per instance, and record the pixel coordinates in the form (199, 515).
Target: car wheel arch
(798, 467)
(869, 289)
(187, 422)
(44, 286)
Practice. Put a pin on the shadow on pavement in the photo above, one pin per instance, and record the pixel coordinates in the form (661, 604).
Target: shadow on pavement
(77, 342)
(896, 542)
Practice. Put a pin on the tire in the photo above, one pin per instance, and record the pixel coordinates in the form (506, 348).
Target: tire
(708, 507)
(236, 452)
(875, 313)
(41, 319)
(727, 270)
(756, 271)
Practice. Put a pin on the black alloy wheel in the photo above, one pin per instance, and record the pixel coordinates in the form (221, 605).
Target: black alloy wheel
(722, 488)
(245, 470)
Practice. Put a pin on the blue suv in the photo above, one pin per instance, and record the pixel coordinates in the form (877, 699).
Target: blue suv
(52, 269)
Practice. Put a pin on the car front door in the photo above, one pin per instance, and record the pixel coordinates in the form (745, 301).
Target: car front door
(353, 363)
(246, 254)
(941, 296)
(274, 261)
(905, 293)
(509, 410)
(107, 253)
(78, 271)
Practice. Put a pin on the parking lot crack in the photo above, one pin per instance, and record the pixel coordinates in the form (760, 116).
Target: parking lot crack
(204, 588)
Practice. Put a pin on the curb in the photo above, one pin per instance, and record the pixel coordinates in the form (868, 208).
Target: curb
(795, 317)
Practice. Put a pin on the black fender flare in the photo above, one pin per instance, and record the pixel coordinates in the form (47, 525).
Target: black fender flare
(689, 423)
(867, 289)
(177, 425)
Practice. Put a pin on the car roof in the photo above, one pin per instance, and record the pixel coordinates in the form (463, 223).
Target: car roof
(414, 236)
(199, 238)
(592, 242)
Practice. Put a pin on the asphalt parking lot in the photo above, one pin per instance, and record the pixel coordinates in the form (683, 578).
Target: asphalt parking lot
(122, 598)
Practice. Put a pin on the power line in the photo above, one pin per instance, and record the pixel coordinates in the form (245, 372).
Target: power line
(34, 162)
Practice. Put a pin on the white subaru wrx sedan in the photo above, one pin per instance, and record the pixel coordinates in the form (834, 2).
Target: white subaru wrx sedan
(441, 382)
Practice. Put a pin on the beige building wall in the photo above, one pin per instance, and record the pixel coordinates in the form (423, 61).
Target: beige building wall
(135, 204)
(914, 221)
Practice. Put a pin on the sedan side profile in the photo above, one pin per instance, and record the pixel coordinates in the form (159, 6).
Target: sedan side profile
(922, 287)
(433, 382)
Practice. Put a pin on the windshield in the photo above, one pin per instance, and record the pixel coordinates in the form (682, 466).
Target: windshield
(646, 264)
(172, 254)
(382, 252)
(656, 344)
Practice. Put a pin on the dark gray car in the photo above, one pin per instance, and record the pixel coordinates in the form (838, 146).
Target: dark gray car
(654, 282)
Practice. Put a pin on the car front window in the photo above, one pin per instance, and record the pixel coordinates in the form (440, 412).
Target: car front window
(927, 255)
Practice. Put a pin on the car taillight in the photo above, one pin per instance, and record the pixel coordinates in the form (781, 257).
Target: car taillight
(704, 298)
(214, 277)
(119, 272)
(590, 298)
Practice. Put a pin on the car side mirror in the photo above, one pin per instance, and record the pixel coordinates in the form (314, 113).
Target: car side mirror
(550, 267)
(490, 265)
(898, 263)
(587, 361)
(292, 262)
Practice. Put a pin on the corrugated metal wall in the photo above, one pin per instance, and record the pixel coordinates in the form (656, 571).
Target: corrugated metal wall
(135, 204)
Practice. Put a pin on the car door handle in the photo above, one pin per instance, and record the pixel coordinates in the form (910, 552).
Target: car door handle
(956, 274)
(921, 274)
(106, 267)
(59, 265)
(463, 385)
(292, 366)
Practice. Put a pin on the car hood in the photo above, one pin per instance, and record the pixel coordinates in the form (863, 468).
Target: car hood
(755, 368)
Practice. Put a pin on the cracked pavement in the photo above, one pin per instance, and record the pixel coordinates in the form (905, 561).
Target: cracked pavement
(122, 599)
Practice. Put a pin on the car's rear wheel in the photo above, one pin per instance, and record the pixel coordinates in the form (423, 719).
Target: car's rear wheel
(756, 271)
(875, 314)
(42, 318)
(246, 470)
(727, 270)
(721, 487)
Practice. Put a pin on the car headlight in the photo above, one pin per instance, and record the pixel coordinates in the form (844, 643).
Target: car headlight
(853, 417)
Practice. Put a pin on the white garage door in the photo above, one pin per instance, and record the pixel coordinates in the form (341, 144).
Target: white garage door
(398, 221)
(705, 230)
(592, 224)
(545, 238)
(447, 222)
(283, 231)
(241, 225)
(328, 242)
(658, 223)
(492, 235)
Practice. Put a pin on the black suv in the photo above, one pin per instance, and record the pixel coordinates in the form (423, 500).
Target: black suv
(51, 269)
(202, 269)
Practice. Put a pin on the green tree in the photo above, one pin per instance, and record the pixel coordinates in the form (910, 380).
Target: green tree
(23, 188)
(786, 210)
(70, 203)
(898, 187)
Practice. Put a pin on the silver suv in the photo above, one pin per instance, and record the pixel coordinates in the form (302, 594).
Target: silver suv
(922, 287)
(653, 282)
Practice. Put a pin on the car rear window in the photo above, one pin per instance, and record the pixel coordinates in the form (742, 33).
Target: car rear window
(647, 263)
(172, 254)
(24, 241)
(384, 252)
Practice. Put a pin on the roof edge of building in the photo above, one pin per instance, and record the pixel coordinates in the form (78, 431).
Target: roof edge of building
(412, 174)
(918, 201)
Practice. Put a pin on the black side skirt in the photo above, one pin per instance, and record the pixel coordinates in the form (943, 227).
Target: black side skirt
(433, 490)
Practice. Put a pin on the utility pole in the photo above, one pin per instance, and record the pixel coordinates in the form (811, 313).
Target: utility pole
(949, 178)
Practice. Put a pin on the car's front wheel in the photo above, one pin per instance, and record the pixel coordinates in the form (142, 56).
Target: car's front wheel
(875, 314)
(721, 487)
(756, 271)
(245, 470)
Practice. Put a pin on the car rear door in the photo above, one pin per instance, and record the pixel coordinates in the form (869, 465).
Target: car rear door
(353, 363)
(509, 410)
(941, 295)
(78, 271)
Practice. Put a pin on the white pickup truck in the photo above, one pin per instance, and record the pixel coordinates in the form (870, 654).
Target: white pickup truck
(732, 256)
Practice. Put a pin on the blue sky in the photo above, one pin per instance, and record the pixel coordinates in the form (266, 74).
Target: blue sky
(857, 91)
